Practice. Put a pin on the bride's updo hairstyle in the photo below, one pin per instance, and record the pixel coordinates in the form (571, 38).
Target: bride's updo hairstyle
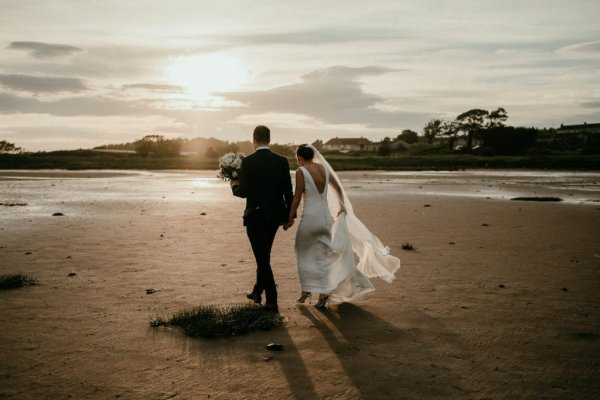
(305, 152)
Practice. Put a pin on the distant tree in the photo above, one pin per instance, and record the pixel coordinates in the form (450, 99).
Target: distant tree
(7, 147)
(157, 145)
(450, 129)
(211, 153)
(169, 148)
(282, 149)
(497, 118)
(386, 140)
(433, 129)
(471, 122)
(228, 148)
(408, 136)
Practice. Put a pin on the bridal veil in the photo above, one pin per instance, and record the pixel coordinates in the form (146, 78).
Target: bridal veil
(374, 259)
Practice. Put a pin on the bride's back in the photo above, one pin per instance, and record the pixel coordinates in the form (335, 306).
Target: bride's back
(318, 176)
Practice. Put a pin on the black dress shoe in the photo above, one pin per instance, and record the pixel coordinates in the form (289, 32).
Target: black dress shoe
(257, 298)
(271, 308)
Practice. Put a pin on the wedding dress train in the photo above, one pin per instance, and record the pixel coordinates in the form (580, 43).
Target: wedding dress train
(326, 248)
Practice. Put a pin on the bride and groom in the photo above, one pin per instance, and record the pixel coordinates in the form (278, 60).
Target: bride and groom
(324, 246)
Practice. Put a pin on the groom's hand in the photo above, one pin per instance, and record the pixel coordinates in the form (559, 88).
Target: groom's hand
(288, 225)
(233, 182)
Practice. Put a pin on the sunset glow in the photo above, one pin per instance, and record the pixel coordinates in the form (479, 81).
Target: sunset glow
(82, 74)
(204, 75)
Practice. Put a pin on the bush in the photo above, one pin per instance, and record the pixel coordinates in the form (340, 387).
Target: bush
(15, 281)
(384, 150)
(210, 321)
(508, 140)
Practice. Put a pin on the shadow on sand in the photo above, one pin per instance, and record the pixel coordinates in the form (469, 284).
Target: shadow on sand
(382, 361)
(246, 358)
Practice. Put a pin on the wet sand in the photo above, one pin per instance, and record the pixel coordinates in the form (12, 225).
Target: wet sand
(444, 329)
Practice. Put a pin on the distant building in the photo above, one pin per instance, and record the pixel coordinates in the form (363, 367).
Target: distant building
(318, 144)
(584, 128)
(346, 145)
(577, 136)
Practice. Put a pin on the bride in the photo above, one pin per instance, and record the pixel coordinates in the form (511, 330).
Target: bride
(325, 246)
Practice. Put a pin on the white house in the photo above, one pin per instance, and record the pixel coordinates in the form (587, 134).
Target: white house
(346, 145)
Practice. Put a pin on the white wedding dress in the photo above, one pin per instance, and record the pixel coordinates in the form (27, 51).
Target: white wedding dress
(326, 248)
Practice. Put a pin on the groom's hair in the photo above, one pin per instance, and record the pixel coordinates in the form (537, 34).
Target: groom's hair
(262, 134)
(305, 152)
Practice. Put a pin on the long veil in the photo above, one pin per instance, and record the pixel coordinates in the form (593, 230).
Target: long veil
(374, 259)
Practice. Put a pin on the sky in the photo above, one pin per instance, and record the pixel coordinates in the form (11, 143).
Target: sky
(79, 74)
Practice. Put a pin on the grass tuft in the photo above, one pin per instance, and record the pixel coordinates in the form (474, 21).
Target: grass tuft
(407, 246)
(15, 281)
(210, 321)
(537, 198)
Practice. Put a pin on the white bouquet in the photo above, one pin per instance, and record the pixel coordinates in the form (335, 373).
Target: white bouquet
(229, 166)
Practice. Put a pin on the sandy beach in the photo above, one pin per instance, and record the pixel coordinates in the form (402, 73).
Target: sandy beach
(499, 300)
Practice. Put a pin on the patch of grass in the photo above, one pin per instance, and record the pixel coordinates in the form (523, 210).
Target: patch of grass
(536, 199)
(15, 281)
(407, 246)
(210, 321)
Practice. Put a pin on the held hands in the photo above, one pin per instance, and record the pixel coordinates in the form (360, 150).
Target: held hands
(288, 225)
(342, 210)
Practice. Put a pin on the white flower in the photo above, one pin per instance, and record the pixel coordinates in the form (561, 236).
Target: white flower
(234, 174)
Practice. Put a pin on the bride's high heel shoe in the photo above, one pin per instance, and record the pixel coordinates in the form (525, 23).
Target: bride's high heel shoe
(323, 300)
(304, 296)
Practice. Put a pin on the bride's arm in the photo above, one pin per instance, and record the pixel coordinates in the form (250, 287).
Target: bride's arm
(297, 196)
(336, 185)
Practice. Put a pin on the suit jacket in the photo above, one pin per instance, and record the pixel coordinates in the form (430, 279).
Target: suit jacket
(266, 184)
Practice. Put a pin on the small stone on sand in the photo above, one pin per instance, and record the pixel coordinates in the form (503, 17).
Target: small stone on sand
(58, 214)
(72, 274)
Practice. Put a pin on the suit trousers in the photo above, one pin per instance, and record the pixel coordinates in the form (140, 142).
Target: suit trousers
(261, 233)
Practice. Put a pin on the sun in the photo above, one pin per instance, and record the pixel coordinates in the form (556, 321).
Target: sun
(203, 75)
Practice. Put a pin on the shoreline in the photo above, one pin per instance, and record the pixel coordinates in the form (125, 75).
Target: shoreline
(88, 160)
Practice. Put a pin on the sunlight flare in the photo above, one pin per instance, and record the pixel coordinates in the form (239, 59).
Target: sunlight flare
(204, 75)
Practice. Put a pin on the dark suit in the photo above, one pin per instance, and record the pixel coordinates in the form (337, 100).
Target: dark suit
(266, 185)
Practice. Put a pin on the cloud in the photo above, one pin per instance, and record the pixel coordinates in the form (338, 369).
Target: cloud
(344, 72)
(332, 95)
(591, 104)
(311, 37)
(41, 84)
(45, 50)
(70, 106)
(588, 48)
(153, 87)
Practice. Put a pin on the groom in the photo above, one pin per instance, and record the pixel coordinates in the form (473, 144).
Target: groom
(266, 185)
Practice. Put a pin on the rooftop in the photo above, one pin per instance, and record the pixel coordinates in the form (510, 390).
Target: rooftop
(349, 141)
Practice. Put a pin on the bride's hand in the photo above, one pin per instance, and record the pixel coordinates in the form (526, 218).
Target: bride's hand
(288, 225)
